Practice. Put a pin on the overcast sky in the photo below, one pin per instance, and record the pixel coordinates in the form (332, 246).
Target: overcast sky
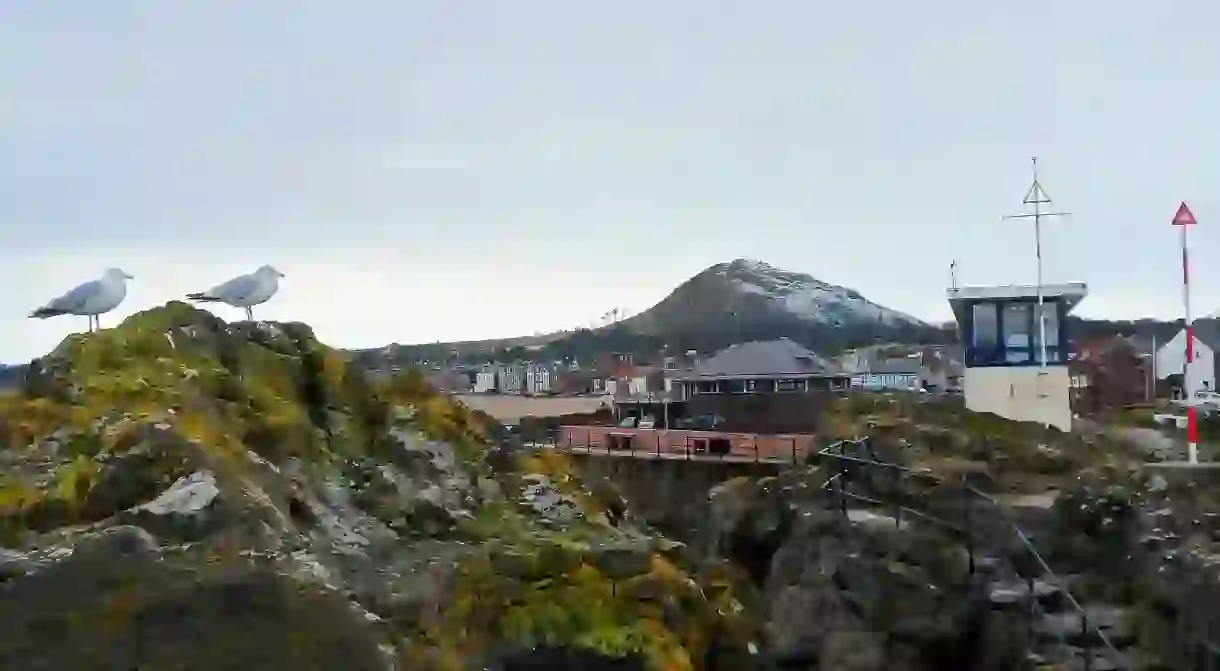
(454, 170)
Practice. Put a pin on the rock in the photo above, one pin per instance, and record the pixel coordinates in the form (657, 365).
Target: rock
(619, 563)
(178, 492)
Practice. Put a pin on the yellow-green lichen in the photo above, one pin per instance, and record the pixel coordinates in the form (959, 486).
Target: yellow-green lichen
(553, 597)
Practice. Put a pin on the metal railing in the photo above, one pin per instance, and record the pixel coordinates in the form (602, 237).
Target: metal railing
(849, 465)
(789, 452)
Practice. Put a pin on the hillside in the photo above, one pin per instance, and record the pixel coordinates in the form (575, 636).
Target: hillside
(724, 304)
(735, 302)
(746, 299)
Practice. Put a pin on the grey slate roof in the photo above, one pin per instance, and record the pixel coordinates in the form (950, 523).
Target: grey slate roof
(896, 366)
(772, 358)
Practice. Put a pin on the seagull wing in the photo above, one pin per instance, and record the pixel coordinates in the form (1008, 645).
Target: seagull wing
(236, 289)
(75, 301)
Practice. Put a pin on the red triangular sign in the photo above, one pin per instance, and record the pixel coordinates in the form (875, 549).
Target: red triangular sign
(1184, 217)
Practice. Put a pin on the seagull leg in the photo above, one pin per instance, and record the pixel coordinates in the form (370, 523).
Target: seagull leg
(250, 314)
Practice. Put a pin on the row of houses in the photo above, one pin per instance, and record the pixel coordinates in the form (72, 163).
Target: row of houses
(755, 367)
(1105, 372)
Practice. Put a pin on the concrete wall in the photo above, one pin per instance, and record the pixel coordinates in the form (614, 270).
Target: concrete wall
(1021, 393)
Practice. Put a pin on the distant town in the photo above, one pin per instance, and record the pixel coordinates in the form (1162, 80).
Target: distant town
(1106, 372)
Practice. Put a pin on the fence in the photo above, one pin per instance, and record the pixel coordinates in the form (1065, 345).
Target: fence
(737, 448)
(979, 519)
(855, 462)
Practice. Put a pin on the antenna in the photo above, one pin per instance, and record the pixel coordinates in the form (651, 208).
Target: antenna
(1037, 198)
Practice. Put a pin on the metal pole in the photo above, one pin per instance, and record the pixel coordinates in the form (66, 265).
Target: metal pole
(1183, 219)
(1038, 252)
(1192, 417)
(1037, 198)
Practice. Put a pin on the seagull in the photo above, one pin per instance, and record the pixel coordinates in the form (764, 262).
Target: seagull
(244, 291)
(90, 299)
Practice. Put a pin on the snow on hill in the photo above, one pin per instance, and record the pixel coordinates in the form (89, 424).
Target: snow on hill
(807, 297)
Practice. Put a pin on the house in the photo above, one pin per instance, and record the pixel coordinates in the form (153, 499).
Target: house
(1108, 373)
(901, 374)
(537, 378)
(510, 378)
(775, 366)
(931, 367)
(1170, 359)
(486, 378)
(770, 387)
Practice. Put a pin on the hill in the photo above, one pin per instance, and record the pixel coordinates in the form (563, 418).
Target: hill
(724, 304)
(750, 300)
(734, 302)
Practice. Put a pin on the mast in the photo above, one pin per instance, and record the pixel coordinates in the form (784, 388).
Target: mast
(1037, 199)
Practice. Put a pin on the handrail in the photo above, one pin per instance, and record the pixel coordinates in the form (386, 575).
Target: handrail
(972, 491)
(1029, 545)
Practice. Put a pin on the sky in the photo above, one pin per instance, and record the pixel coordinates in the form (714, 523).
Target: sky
(427, 171)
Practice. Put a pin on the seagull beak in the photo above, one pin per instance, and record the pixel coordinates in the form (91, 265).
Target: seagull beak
(130, 277)
(279, 273)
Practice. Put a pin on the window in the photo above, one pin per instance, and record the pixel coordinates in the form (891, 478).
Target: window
(985, 333)
(789, 385)
(1018, 318)
(1050, 311)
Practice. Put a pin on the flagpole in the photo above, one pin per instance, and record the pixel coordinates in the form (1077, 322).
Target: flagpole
(1184, 219)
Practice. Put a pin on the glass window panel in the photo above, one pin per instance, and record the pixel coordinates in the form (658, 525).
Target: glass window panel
(986, 328)
(1050, 312)
(1017, 340)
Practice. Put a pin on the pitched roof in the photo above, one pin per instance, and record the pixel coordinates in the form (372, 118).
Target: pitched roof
(896, 365)
(1207, 331)
(772, 358)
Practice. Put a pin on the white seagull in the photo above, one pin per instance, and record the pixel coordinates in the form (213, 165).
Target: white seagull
(90, 299)
(244, 291)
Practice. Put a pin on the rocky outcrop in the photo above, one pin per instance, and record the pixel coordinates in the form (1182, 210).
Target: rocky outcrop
(179, 492)
(853, 590)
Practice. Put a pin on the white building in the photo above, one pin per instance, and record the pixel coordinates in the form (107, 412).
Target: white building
(509, 379)
(1004, 372)
(537, 378)
(904, 374)
(1171, 358)
(485, 379)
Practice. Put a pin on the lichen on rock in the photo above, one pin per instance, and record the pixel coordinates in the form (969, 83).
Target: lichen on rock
(157, 475)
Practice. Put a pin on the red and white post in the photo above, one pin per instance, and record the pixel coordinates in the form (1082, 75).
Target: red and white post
(1183, 220)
